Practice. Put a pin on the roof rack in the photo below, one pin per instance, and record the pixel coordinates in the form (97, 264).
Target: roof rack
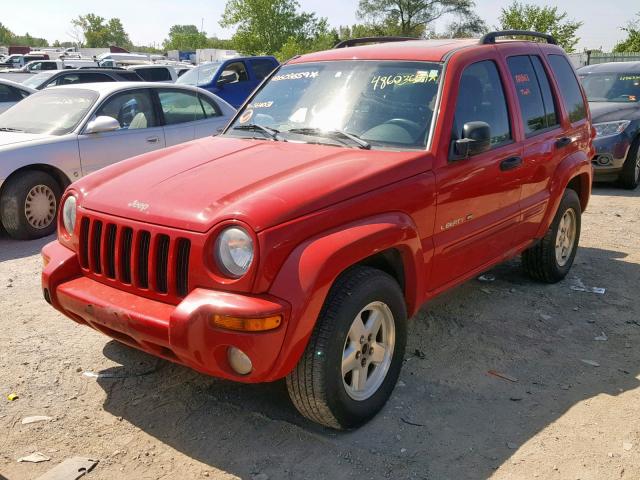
(352, 42)
(490, 37)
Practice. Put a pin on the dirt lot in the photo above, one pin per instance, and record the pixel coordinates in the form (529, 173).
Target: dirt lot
(448, 418)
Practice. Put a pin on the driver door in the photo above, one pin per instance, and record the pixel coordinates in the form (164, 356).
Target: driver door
(139, 131)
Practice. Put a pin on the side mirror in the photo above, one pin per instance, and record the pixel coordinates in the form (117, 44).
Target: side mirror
(476, 138)
(225, 79)
(102, 124)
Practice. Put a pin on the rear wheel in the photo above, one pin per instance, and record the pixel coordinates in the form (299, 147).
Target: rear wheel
(551, 258)
(630, 176)
(28, 205)
(353, 359)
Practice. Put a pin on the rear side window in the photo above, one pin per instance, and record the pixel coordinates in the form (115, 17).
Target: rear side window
(156, 74)
(481, 98)
(9, 94)
(210, 108)
(534, 93)
(180, 107)
(569, 88)
(262, 68)
(84, 77)
(130, 76)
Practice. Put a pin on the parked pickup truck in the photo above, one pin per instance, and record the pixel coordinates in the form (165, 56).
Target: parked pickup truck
(233, 80)
(354, 185)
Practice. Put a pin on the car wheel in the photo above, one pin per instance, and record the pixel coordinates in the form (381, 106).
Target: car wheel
(630, 176)
(353, 359)
(28, 205)
(551, 258)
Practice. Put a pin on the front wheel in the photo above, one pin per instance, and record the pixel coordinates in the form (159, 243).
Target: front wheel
(630, 176)
(552, 257)
(353, 359)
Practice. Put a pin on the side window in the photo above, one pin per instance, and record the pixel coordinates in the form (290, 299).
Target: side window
(130, 76)
(235, 72)
(180, 107)
(530, 94)
(8, 94)
(481, 98)
(550, 106)
(132, 110)
(94, 78)
(48, 66)
(569, 87)
(262, 68)
(210, 108)
(154, 74)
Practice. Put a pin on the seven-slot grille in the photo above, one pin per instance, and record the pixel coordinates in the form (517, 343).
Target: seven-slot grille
(136, 257)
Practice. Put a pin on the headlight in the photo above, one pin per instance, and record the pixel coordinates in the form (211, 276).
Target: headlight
(234, 251)
(610, 128)
(69, 214)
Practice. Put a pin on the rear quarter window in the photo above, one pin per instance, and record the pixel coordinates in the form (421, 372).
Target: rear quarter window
(157, 74)
(130, 76)
(569, 87)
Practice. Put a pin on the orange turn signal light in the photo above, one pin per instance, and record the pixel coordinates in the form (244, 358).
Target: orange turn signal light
(45, 260)
(246, 324)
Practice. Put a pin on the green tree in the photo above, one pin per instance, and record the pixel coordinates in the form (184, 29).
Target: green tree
(99, 32)
(632, 42)
(469, 26)
(185, 37)
(410, 17)
(523, 16)
(265, 26)
(6, 35)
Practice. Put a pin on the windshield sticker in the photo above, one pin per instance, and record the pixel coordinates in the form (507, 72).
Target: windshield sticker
(262, 104)
(299, 116)
(295, 76)
(629, 77)
(381, 82)
(246, 116)
(522, 78)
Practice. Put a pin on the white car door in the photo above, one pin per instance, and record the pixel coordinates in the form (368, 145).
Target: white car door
(139, 131)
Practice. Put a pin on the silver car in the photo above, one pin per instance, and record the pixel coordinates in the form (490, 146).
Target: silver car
(60, 134)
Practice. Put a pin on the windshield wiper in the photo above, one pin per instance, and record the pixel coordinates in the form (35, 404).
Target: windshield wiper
(9, 129)
(272, 133)
(334, 135)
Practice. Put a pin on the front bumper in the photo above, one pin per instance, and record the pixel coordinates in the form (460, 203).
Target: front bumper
(611, 153)
(179, 333)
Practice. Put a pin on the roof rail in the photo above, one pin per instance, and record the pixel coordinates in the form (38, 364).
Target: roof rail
(490, 37)
(352, 42)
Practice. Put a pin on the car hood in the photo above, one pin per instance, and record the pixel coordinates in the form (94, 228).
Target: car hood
(11, 138)
(195, 185)
(612, 111)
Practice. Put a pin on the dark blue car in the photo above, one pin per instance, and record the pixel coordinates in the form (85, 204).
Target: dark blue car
(613, 91)
(232, 80)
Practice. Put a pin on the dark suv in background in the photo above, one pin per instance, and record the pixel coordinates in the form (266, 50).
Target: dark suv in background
(613, 91)
(83, 75)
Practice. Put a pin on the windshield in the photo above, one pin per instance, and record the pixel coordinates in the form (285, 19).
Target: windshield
(36, 80)
(384, 104)
(612, 87)
(200, 75)
(54, 112)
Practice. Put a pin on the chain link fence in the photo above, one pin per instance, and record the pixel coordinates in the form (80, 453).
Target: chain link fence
(592, 58)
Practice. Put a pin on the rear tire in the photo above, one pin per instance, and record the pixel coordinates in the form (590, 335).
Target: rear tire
(318, 385)
(630, 176)
(551, 258)
(28, 205)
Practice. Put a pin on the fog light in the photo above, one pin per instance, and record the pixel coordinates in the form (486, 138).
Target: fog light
(603, 160)
(239, 361)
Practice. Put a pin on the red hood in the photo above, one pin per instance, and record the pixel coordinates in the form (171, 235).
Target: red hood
(195, 185)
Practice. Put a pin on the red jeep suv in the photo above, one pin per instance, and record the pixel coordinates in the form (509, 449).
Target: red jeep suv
(352, 186)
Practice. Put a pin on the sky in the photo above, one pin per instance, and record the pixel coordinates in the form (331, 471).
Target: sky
(148, 21)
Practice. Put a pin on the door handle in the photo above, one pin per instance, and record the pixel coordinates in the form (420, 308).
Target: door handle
(564, 142)
(510, 163)
(153, 139)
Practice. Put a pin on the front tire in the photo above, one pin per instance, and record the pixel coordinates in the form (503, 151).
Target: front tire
(354, 356)
(630, 176)
(551, 258)
(29, 204)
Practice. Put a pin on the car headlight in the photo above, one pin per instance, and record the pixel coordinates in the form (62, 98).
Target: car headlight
(234, 251)
(607, 129)
(69, 214)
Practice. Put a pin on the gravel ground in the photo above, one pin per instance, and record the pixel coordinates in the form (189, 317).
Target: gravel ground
(562, 417)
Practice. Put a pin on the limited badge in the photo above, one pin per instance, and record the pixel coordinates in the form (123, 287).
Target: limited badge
(246, 116)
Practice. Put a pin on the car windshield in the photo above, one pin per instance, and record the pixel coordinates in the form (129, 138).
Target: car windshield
(53, 112)
(36, 80)
(363, 104)
(612, 87)
(201, 75)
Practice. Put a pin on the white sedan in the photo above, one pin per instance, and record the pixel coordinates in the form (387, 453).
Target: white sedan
(11, 93)
(60, 134)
